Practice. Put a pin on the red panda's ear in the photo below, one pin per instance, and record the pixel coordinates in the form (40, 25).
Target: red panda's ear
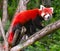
(51, 9)
(41, 7)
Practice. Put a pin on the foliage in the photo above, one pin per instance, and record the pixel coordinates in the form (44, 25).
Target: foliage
(0, 8)
(12, 5)
(33, 4)
(48, 43)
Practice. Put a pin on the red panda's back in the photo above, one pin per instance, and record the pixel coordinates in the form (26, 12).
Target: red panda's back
(24, 16)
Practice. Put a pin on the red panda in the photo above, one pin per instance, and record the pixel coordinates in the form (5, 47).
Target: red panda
(29, 19)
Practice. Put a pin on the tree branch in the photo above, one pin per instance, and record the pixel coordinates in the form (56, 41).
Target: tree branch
(38, 35)
(5, 16)
(3, 35)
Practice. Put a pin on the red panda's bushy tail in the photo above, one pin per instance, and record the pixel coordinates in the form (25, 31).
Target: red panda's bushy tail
(10, 37)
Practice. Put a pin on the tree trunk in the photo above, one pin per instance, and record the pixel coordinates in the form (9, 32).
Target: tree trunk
(5, 16)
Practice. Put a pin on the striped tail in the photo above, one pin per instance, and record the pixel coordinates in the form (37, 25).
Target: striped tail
(10, 38)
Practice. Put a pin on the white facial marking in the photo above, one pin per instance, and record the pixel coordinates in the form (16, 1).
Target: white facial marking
(41, 7)
(51, 9)
(42, 14)
(47, 17)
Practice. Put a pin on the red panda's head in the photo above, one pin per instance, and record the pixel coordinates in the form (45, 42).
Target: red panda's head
(46, 13)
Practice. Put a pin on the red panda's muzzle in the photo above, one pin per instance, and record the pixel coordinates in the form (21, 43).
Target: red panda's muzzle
(47, 17)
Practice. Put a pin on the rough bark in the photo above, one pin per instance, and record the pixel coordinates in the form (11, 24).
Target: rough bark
(2, 25)
(3, 35)
(1, 47)
(38, 35)
(5, 16)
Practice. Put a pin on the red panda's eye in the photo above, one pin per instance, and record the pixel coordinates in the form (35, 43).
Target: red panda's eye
(48, 17)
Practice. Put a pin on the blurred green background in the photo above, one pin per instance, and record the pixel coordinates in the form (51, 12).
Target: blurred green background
(48, 43)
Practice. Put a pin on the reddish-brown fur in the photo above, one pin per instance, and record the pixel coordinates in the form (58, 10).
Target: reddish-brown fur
(24, 17)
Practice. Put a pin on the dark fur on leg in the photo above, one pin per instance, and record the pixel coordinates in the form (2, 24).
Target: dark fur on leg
(19, 27)
(38, 22)
(30, 28)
